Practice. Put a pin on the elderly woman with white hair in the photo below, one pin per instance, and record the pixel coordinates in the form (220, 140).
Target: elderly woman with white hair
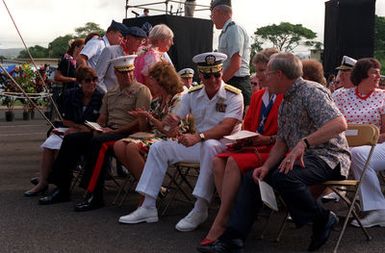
(160, 40)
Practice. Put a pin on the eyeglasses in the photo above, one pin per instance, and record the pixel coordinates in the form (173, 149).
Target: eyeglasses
(89, 80)
(208, 75)
(269, 72)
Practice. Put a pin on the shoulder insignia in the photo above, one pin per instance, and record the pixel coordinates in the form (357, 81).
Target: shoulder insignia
(232, 89)
(195, 88)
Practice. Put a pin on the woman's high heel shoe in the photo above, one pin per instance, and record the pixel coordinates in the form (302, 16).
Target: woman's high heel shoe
(31, 193)
(206, 241)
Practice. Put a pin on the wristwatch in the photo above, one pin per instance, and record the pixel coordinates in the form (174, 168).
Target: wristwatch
(202, 136)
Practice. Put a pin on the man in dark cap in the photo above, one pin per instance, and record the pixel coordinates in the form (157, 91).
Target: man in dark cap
(234, 42)
(134, 37)
(94, 47)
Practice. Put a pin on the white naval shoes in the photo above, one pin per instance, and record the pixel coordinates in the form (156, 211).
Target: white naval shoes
(141, 214)
(373, 218)
(331, 197)
(191, 221)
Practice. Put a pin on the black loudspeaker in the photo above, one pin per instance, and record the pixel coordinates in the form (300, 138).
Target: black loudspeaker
(191, 36)
(349, 30)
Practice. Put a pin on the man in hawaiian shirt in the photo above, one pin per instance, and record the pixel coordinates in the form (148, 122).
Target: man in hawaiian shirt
(310, 149)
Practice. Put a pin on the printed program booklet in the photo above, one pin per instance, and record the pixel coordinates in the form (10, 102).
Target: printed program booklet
(243, 134)
(268, 195)
(94, 126)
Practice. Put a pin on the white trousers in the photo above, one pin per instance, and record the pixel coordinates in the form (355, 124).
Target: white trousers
(162, 154)
(370, 190)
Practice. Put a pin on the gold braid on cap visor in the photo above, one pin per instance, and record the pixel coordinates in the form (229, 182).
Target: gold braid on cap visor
(130, 67)
(210, 69)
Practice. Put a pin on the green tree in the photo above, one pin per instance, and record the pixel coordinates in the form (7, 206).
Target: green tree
(255, 48)
(36, 52)
(379, 41)
(285, 36)
(59, 46)
(88, 28)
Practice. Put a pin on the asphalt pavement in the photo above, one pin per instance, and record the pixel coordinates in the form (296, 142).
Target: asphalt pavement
(27, 227)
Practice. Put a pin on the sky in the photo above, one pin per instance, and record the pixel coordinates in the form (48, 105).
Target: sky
(41, 21)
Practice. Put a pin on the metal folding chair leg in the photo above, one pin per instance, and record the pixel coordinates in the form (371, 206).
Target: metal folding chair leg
(350, 212)
(282, 227)
(177, 179)
(128, 184)
(262, 235)
(174, 182)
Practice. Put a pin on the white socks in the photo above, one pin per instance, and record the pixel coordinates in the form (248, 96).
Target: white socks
(201, 205)
(149, 202)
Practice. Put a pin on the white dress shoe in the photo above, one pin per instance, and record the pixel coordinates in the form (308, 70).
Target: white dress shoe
(374, 218)
(191, 221)
(141, 214)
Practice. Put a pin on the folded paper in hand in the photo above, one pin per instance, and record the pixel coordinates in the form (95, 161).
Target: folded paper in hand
(268, 195)
(94, 126)
(243, 134)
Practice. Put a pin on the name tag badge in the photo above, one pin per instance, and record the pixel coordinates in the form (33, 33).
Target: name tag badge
(220, 107)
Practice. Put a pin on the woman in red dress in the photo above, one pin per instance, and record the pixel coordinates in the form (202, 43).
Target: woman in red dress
(261, 117)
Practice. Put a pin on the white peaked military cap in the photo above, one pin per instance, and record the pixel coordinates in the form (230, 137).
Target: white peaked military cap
(123, 63)
(347, 63)
(186, 72)
(209, 62)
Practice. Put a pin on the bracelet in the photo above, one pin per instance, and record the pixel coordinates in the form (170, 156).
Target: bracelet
(272, 139)
(307, 144)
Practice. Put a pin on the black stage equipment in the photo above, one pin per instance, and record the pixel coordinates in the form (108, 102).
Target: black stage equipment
(191, 36)
(349, 30)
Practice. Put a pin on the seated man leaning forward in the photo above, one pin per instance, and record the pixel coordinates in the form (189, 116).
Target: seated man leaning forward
(310, 133)
(116, 123)
(217, 109)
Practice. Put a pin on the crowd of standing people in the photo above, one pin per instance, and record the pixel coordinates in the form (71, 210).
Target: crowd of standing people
(126, 82)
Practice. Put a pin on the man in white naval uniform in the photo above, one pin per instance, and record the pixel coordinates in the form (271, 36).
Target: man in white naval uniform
(104, 69)
(92, 50)
(217, 109)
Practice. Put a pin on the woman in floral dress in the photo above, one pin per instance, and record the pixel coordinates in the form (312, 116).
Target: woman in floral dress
(164, 80)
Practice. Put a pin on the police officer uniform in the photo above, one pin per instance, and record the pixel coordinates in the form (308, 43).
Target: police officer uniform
(227, 103)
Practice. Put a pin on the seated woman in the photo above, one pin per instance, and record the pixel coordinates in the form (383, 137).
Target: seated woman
(165, 82)
(365, 104)
(78, 104)
(228, 167)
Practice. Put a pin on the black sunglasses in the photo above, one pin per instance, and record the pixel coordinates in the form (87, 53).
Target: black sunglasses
(89, 80)
(208, 75)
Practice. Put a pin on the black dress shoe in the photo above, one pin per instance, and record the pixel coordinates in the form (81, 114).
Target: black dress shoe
(91, 202)
(34, 180)
(219, 246)
(321, 232)
(35, 193)
(56, 196)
